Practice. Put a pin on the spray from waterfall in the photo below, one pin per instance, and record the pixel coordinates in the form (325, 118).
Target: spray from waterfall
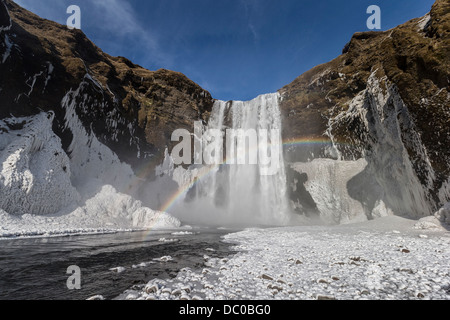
(236, 192)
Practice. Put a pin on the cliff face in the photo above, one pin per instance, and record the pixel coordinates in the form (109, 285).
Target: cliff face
(385, 99)
(135, 110)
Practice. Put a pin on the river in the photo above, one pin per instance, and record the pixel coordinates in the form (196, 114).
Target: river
(35, 269)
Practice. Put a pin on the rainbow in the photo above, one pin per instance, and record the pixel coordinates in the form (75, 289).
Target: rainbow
(177, 196)
(180, 194)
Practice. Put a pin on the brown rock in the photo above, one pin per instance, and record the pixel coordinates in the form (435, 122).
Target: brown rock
(266, 277)
(323, 297)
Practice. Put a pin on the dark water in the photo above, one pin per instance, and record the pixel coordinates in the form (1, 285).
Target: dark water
(36, 268)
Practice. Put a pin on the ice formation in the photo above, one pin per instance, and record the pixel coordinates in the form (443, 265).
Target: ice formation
(35, 170)
(440, 221)
(334, 187)
(384, 114)
(385, 181)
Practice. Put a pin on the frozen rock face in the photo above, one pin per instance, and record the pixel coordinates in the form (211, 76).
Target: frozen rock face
(90, 159)
(38, 178)
(390, 109)
(387, 179)
(108, 118)
(336, 189)
(386, 134)
(34, 169)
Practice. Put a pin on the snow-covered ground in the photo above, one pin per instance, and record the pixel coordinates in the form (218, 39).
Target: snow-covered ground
(383, 259)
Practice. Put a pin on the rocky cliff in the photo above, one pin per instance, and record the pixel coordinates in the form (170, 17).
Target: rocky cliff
(136, 110)
(78, 126)
(385, 99)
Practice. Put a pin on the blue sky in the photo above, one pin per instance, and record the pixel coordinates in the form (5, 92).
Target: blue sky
(236, 49)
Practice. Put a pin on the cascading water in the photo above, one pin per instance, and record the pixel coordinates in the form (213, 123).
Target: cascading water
(240, 193)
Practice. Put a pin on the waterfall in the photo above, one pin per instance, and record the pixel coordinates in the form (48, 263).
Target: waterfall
(240, 193)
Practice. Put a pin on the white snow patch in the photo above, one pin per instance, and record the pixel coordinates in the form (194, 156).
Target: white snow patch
(143, 265)
(96, 298)
(422, 23)
(164, 259)
(118, 269)
(429, 223)
(439, 221)
(168, 240)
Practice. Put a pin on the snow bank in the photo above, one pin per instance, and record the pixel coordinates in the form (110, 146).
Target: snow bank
(444, 214)
(107, 211)
(369, 260)
(439, 221)
(120, 210)
(34, 169)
